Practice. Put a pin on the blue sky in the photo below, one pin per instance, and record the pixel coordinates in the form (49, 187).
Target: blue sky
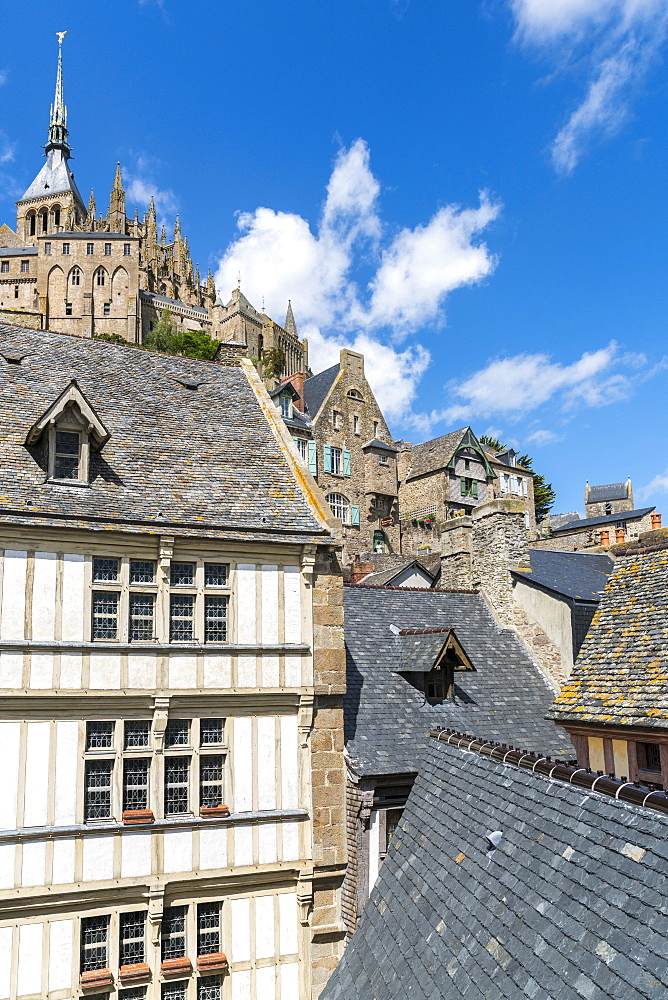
(473, 193)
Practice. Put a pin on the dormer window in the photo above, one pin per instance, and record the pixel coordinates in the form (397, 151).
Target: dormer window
(69, 428)
(286, 405)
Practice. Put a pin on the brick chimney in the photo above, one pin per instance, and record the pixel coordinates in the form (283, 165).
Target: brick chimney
(358, 570)
(605, 537)
(620, 535)
(656, 521)
(297, 380)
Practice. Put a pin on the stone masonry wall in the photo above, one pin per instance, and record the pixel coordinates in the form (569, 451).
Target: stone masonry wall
(500, 543)
(328, 772)
(589, 537)
(541, 648)
(20, 317)
(349, 894)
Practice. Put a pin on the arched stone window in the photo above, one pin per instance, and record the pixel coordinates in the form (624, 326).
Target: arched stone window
(75, 276)
(44, 216)
(355, 394)
(100, 277)
(55, 213)
(32, 223)
(340, 506)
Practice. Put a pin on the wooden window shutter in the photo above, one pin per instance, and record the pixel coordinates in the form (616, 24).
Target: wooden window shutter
(462, 486)
(474, 489)
(313, 458)
(354, 515)
(346, 462)
(327, 454)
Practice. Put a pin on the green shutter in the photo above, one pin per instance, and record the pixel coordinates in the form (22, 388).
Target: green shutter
(346, 463)
(313, 458)
(354, 515)
(474, 489)
(327, 454)
(462, 486)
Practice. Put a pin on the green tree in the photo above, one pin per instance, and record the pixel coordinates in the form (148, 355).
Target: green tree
(491, 442)
(160, 337)
(544, 496)
(186, 343)
(273, 362)
(110, 338)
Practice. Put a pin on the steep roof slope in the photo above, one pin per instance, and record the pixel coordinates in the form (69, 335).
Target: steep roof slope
(610, 491)
(434, 454)
(571, 905)
(190, 446)
(574, 574)
(317, 387)
(621, 674)
(387, 718)
(590, 522)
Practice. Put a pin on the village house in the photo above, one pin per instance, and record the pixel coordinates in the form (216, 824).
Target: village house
(342, 437)
(615, 704)
(172, 673)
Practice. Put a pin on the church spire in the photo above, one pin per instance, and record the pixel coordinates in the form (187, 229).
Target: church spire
(58, 115)
(116, 214)
(90, 216)
(290, 325)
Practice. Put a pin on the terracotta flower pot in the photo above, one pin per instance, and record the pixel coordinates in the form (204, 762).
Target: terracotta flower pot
(96, 979)
(176, 967)
(133, 972)
(212, 963)
(133, 817)
(214, 810)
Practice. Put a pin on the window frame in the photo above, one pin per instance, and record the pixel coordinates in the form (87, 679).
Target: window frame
(340, 507)
(4, 267)
(66, 249)
(70, 423)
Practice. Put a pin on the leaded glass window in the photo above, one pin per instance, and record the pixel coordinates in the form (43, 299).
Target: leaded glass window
(208, 928)
(136, 734)
(142, 612)
(97, 797)
(211, 732)
(173, 934)
(105, 570)
(215, 574)
(177, 733)
(142, 571)
(177, 775)
(136, 772)
(99, 735)
(94, 934)
(182, 574)
(211, 780)
(215, 619)
(181, 617)
(131, 947)
(67, 455)
(105, 614)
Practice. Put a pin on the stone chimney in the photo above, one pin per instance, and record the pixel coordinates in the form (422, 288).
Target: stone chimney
(297, 381)
(358, 570)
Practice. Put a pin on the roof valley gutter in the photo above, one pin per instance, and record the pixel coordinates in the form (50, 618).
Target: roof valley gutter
(557, 770)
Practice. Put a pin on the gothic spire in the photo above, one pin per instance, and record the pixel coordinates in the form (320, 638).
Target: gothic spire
(290, 325)
(116, 216)
(58, 116)
(90, 216)
(177, 230)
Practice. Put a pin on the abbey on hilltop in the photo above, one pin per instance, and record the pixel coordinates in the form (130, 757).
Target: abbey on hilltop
(66, 268)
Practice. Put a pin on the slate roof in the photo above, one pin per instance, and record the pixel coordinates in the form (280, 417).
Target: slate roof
(384, 577)
(55, 177)
(203, 460)
(382, 445)
(18, 251)
(589, 522)
(387, 718)
(434, 454)
(572, 904)
(317, 387)
(580, 575)
(165, 300)
(621, 674)
(612, 491)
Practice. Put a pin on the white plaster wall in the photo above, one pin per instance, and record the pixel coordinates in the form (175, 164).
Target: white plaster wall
(67, 731)
(63, 860)
(264, 927)
(61, 936)
(289, 762)
(266, 755)
(36, 774)
(6, 934)
(73, 597)
(240, 918)
(374, 848)
(243, 765)
(412, 578)
(246, 603)
(552, 614)
(269, 604)
(12, 620)
(292, 604)
(44, 597)
(287, 909)
(10, 738)
(29, 978)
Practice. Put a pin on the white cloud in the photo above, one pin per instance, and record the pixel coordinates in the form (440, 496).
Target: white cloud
(7, 148)
(280, 256)
(657, 485)
(543, 437)
(3, 76)
(614, 41)
(513, 387)
(140, 187)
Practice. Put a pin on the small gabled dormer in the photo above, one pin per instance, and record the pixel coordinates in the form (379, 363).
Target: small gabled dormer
(68, 430)
(431, 657)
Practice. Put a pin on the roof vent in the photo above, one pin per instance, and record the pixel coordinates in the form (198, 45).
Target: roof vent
(493, 839)
(189, 383)
(395, 630)
(14, 359)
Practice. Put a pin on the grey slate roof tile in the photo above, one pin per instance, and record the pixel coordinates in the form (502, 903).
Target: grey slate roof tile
(590, 522)
(621, 673)
(317, 387)
(197, 460)
(563, 933)
(574, 574)
(387, 717)
(611, 491)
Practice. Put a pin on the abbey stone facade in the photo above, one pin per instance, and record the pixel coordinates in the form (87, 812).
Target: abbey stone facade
(66, 268)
